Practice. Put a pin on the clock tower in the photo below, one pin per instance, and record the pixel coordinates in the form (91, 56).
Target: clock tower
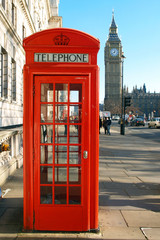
(112, 54)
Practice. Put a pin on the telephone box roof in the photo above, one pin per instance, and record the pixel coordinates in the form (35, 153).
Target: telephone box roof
(61, 37)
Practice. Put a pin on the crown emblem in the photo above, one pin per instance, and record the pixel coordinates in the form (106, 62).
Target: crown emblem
(61, 40)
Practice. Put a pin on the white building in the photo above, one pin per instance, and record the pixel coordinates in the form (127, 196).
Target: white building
(19, 19)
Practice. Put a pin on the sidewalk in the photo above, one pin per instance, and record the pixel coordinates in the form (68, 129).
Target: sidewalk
(129, 195)
(129, 187)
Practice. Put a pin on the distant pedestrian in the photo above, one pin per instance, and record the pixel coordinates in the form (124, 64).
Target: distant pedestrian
(100, 124)
(105, 124)
(108, 126)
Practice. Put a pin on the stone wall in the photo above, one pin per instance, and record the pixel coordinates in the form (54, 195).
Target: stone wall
(11, 159)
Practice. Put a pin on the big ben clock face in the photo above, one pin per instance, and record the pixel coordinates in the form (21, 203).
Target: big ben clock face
(114, 52)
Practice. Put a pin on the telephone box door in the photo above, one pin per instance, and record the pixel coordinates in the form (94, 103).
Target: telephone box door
(61, 153)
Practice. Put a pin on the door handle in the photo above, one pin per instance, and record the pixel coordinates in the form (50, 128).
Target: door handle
(85, 154)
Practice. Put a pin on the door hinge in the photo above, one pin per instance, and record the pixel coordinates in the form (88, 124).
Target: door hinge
(33, 217)
(33, 154)
(33, 90)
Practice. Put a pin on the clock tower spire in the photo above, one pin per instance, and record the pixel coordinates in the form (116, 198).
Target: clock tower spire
(112, 53)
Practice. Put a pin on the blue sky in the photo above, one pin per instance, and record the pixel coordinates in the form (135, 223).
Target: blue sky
(138, 24)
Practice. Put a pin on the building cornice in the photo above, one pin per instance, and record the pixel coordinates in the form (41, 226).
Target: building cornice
(10, 27)
(27, 15)
(48, 8)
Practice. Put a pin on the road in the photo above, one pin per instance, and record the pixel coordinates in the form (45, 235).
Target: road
(139, 131)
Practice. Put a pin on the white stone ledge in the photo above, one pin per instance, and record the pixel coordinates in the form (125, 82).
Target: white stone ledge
(9, 167)
(7, 170)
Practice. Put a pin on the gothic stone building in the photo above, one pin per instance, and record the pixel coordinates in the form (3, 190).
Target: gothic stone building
(148, 103)
(113, 66)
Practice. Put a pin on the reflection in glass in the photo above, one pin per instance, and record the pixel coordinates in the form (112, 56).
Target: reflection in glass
(74, 195)
(46, 154)
(74, 175)
(75, 92)
(46, 113)
(46, 195)
(75, 154)
(61, 113)
(46, 175)
(75, 113)
(60, 195)
(60, 175)
(61, 92)
(60, 133)
(74, 134)
(46, 92)
(60, 154)
(46, 133)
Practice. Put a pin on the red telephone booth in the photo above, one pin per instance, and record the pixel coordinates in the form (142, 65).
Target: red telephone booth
(61, 131)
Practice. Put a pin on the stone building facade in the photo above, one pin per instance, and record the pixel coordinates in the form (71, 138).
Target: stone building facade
(113, 68)
(19, 19)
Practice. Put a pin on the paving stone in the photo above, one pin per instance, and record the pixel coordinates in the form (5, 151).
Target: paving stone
(125, 179)
(119, 185)
(114, 194)
(11, 202)
(9, 236)
(113, 174)
(104, 178)
(12, 216)
(150, 179)
(151, 233)
(9, 228)
(123, 233)
(142, 219)
(143, 193)
(2, 210)
(138, 173)
(126, 204)
(111, 218)
(152, 186)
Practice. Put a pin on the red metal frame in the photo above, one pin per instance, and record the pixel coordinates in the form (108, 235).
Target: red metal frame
(79, 43)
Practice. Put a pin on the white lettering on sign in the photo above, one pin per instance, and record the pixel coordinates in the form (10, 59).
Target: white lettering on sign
(61, 57)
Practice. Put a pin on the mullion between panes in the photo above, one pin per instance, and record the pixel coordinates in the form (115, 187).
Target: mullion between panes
(53, 150)
(68, 144)
(53, 183)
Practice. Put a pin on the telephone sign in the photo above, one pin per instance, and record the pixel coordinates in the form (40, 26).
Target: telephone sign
(61, 57)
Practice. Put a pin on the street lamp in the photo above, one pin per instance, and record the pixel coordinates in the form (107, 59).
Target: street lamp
(122, 124)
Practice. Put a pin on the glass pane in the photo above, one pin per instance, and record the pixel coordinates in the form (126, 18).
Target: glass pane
(60, 175)
(46, 175)
(74, 195)
(75, 134)
(46, 195)
(46, 113)
(46, 133)
(61, 113)
(60, 195)
(47, 92)
(46, 154)
(75, 154)
(75, 92)
(61, 92)
(75, 113)
(74, 175)
(60, 133)
(60, 154)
